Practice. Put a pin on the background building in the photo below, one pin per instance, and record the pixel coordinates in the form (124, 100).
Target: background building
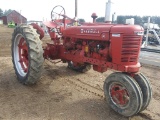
(13, 16)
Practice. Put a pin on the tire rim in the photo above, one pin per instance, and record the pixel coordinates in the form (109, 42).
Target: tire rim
(21, 55)
(119, 95)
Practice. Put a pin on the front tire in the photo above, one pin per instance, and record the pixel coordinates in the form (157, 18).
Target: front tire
(123, 94)
(145, 86)
(27, 54)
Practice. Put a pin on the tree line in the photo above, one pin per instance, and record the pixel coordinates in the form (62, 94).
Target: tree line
(4, 12)
(121, 19)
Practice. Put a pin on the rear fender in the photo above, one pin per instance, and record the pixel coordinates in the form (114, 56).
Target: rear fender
(39, 30)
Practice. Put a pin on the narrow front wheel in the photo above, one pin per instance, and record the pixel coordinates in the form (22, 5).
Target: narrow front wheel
(123, 94)
(146, 89)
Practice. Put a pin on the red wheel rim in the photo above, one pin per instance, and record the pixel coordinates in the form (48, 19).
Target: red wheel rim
(119, 94)
(23, 54)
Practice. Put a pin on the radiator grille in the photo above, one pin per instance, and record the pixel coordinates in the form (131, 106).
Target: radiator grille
(130, 48)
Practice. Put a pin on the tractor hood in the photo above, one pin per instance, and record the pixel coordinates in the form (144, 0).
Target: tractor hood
(93, 31)
(100, 31)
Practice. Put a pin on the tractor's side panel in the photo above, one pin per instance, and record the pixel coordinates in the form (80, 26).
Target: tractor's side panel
(116, 46)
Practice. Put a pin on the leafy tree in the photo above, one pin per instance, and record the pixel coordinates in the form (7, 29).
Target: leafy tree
(145, 19)
(7, 11)
(100, 19)
(137, 20)
(157, 20)
(1, 12)
(81, 20)
(121, 19)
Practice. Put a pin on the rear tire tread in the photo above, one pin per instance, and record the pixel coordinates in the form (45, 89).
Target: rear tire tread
(35, 53)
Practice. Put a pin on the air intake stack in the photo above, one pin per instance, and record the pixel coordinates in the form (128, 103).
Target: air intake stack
(108, 12)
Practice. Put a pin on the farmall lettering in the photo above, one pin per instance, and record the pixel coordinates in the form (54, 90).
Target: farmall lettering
(90, 31)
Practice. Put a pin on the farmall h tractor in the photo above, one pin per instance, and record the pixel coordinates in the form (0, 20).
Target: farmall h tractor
(100, 45)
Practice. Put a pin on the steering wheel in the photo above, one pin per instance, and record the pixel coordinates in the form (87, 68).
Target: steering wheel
(57, 14)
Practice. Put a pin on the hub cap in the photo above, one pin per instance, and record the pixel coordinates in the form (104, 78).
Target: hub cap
(21, 55)
(119, 95)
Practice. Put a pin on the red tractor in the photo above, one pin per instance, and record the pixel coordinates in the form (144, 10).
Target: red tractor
(100, 45)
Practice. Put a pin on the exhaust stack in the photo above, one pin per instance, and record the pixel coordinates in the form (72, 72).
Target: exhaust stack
(75, 18)
(76, 9)
(108, 12)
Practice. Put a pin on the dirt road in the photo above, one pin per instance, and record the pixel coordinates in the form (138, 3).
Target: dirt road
(62, 94)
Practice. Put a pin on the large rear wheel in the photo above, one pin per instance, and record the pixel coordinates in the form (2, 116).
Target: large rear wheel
(123, 94)
(27, 54)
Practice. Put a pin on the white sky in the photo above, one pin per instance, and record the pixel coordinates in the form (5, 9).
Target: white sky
(39, 9)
